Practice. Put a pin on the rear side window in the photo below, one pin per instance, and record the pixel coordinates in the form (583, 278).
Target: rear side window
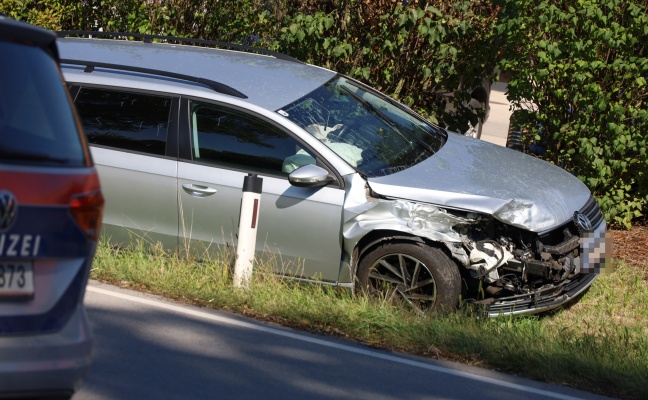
(37, 124)
(131, 121)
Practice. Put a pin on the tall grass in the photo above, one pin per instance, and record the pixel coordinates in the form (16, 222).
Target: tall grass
(598, 344)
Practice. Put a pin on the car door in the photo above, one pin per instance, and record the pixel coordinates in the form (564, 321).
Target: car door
(133, 143)
(299, 229)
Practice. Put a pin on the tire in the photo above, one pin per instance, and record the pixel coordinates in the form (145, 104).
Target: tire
(412, 274)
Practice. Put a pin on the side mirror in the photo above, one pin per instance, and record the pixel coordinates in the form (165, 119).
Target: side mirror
(309, 175)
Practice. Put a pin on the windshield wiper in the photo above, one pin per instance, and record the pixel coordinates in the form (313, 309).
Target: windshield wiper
(369, 106)
(386, 119)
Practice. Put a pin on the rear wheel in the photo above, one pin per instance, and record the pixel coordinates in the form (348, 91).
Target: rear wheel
(411, 274)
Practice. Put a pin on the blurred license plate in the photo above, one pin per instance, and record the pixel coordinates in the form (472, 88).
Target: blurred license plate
(16, 279)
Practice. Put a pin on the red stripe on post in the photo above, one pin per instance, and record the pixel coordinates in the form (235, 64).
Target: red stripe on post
(254, 213)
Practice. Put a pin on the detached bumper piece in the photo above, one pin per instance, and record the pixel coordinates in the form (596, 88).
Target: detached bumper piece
(541, 300)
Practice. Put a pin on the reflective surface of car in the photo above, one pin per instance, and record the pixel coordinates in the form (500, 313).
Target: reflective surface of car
(358, 191)
(50, 213)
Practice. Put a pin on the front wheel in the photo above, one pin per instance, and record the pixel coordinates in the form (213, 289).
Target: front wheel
(411, 274)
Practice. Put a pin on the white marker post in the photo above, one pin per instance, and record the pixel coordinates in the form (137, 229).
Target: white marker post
(248, 222)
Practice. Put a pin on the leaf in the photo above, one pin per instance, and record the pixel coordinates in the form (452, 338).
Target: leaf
(402, 19)
(413, 15)
(434, 11)
(339, 51)
(300, 35)
(328, 22)
(366, 72)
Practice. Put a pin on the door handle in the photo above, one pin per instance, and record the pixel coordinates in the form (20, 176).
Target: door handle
(198, 190)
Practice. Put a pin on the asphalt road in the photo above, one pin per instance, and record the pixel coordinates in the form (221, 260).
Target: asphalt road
(149, 348)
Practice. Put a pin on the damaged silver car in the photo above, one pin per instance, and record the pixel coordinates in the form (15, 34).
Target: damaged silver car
(358, 190)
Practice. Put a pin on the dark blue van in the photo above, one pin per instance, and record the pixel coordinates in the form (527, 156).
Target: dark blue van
(50, 214)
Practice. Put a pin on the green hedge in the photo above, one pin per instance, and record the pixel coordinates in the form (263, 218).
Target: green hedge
(425, 57)
(580, 65)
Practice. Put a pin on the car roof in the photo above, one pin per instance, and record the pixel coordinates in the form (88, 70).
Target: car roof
(21, 32)
(267, 81)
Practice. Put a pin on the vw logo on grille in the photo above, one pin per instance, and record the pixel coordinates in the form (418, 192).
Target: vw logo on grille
(582, 222)
(8, 209)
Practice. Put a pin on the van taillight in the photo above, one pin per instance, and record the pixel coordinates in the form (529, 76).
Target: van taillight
(87, 211)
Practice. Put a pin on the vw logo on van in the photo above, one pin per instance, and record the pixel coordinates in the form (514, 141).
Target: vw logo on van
(8, 209)
(582, 222)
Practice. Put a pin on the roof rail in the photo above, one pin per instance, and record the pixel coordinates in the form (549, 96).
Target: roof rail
(149, 39)
(216, 86)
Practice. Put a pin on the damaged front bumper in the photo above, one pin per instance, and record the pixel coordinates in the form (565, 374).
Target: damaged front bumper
(570, 267)
(542, 300)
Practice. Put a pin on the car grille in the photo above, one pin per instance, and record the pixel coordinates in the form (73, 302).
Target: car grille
(592, 211)
(565, 238)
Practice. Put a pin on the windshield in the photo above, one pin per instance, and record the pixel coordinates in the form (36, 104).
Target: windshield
(374, 134)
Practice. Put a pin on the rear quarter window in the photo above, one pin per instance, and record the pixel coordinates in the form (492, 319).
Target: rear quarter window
(37, 123)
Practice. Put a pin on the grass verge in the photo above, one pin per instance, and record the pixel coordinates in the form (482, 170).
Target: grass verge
(599, 344)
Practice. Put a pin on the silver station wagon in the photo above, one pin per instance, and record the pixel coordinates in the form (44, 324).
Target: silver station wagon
(358, 190)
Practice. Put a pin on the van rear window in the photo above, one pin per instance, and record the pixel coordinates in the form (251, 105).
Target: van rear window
(37, 124)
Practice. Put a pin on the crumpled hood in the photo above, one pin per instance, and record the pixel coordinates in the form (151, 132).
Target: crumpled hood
(471, 174)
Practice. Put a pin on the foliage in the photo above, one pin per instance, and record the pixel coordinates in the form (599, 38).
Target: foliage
(51, 14)
(429, 55)
(424, 55)
(581, 66)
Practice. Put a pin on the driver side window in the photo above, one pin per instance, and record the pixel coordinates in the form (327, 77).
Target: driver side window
(231, 138)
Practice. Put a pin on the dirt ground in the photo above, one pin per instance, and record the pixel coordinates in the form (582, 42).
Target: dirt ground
(632, 246)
